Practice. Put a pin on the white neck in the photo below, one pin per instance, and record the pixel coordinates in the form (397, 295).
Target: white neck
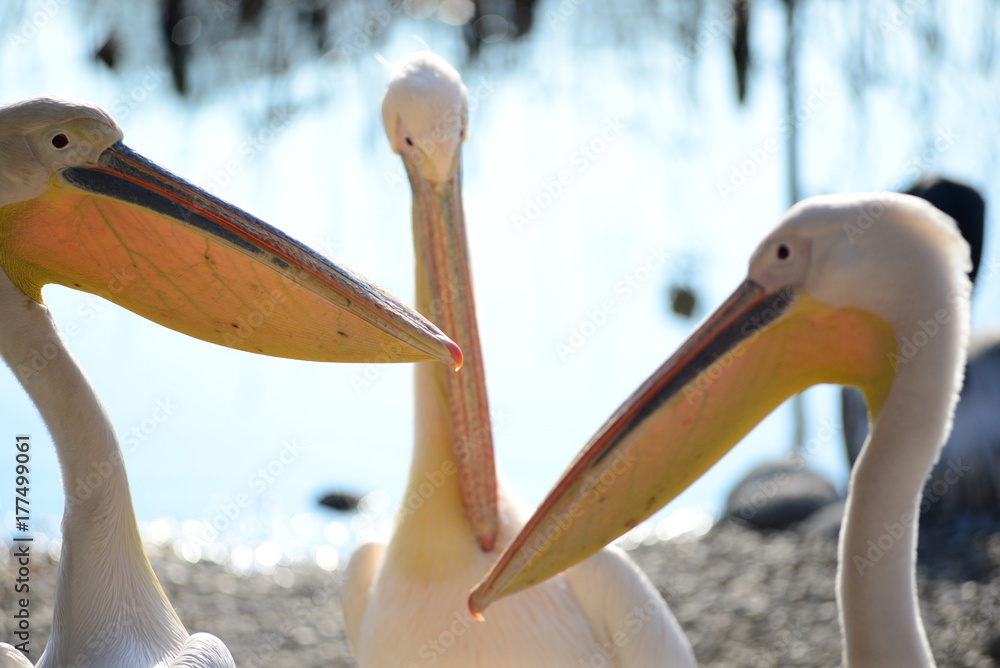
(876, 578)
(433, 511)
(434, 536)
(105, 587)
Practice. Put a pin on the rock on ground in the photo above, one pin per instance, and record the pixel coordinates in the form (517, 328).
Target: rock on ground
(744, 599)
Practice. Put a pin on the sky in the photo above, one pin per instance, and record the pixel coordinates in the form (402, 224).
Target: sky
(595, 177)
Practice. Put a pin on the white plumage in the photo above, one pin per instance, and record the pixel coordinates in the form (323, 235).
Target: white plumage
(110, 611)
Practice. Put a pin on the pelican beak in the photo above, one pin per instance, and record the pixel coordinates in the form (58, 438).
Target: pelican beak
(145, 239)
(443, 254)
(759, 348)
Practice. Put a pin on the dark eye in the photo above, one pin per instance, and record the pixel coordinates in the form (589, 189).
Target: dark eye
(783, 252)
(60, 140)
(409, 142)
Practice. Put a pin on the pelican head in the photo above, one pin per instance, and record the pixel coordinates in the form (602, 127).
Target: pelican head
(849, 289)
(81, 209)
(425, 112)
(42, 136)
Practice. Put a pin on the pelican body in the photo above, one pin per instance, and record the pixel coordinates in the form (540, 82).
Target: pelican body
(404, 602)
(834, 294)
(78, 208)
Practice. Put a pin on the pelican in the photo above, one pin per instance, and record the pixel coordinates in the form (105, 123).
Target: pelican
(404, 603)
(867, 290)
(81, 209)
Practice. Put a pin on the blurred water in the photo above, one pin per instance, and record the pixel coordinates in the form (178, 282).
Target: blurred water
(204, 427)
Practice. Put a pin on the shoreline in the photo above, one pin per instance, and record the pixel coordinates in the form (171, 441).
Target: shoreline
(744, 599)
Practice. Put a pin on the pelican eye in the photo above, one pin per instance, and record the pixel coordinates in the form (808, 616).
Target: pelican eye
(409, 142)
(783, 252)
(60, 140)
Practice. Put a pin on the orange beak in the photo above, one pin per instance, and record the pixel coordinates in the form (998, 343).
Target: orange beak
(759, 348)
(145, 239)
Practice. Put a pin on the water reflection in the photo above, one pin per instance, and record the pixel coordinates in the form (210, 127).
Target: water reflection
(564, 217)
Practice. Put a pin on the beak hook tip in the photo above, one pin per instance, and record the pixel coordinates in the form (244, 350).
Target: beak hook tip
(476, 612)
(457, 357)
(487, 540)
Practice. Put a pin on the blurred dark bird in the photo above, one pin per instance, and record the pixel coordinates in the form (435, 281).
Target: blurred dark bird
(342, 501)
(777, 495)
(683, 300)
(963, 203)
(108, 52)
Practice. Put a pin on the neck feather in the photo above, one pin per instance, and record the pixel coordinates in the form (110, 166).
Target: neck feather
(452, 414)
(105, 580)
(876, 575)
